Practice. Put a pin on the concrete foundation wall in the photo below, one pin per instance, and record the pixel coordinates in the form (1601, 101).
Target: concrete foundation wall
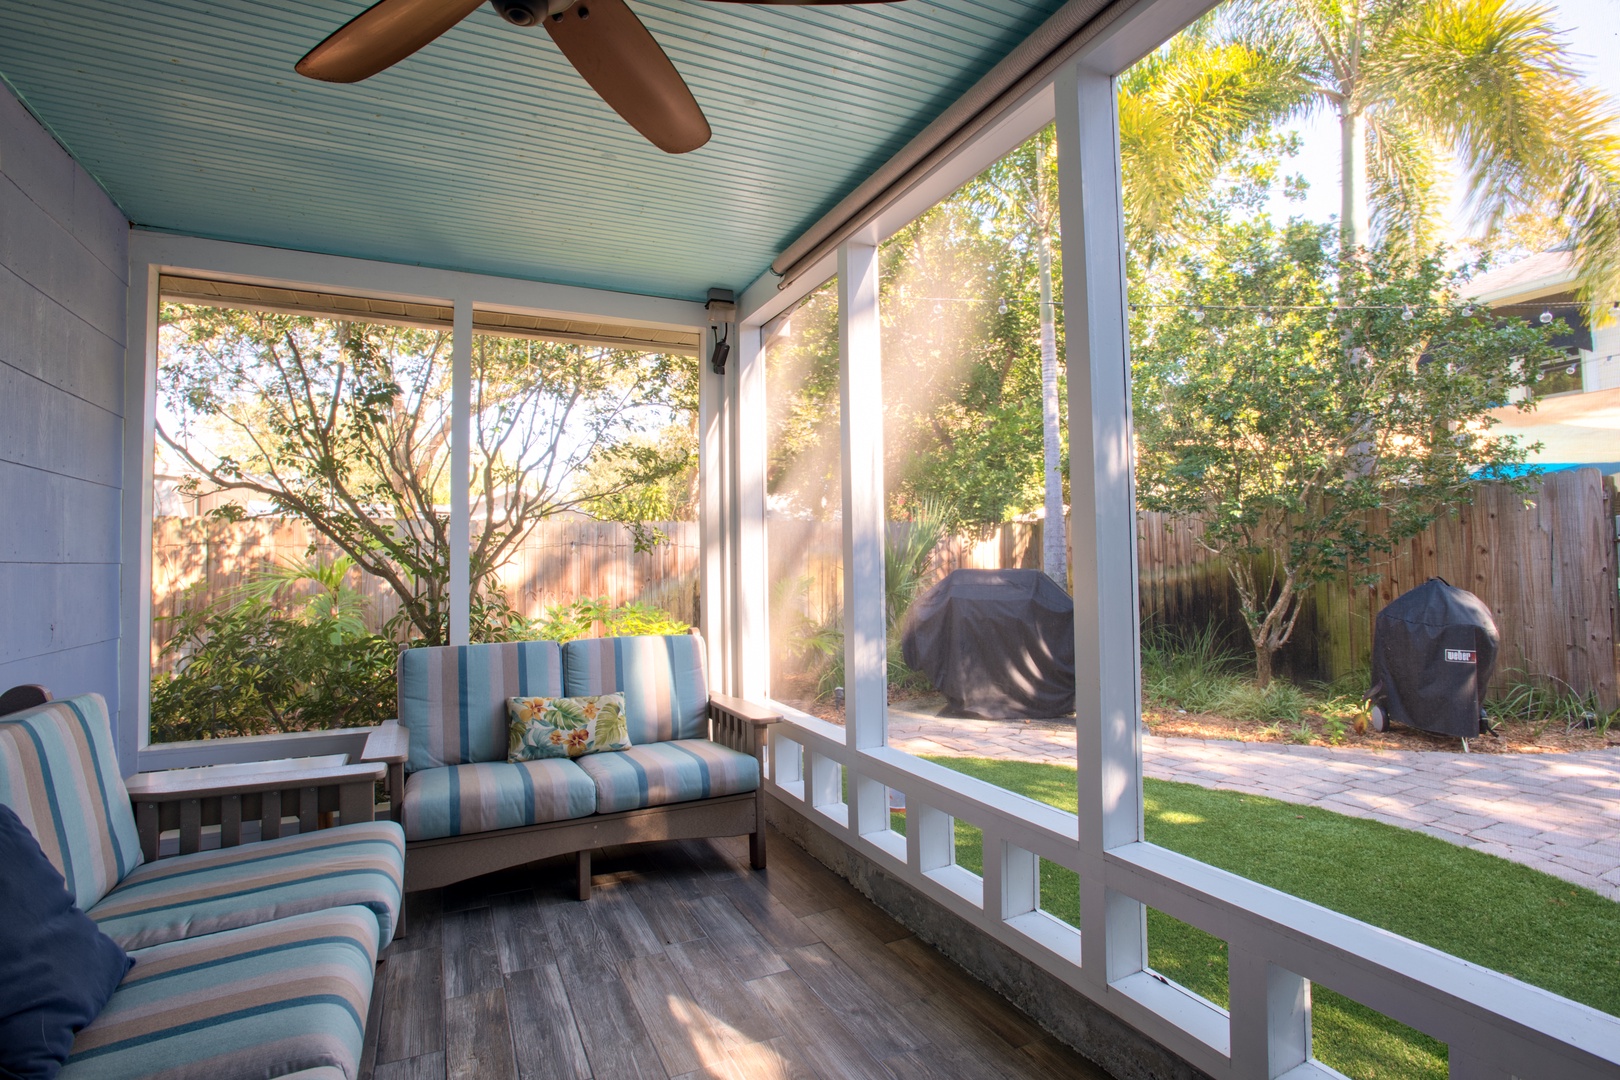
(63, 271)
(1065, 1012)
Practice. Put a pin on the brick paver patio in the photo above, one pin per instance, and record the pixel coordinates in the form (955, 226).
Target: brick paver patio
(1559, 813)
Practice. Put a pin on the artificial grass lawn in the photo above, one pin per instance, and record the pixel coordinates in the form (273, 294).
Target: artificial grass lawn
(1482, 908)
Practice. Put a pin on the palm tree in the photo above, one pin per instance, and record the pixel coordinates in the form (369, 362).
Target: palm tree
(1184, 113)
(1415, 82)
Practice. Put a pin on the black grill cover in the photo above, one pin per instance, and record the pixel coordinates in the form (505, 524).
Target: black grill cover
(998, 644)
(1434, 649)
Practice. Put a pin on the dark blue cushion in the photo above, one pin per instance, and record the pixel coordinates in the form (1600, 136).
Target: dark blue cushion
(56, 969)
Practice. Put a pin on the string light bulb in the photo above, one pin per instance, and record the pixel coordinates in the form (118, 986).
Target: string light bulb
(1546, 317)
(1001, 307)
(1332, 316)
(1406, 313)
(1198, 314)
(1468, 311)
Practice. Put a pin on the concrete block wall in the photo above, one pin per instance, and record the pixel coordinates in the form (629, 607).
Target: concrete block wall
(63, 270)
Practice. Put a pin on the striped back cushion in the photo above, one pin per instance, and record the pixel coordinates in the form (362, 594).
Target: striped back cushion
(453, 698)
(666, 694)
(59, 773)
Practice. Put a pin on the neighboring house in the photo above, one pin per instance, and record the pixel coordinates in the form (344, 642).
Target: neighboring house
(1578, 419)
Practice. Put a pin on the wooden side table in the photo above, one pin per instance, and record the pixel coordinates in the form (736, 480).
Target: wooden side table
(312, 789)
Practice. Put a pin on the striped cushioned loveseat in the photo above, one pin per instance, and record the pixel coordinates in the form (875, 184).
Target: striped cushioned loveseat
(693, 768)
(252, 960)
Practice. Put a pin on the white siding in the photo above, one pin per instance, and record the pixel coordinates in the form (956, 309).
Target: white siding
(63, 270)
(1602, 364)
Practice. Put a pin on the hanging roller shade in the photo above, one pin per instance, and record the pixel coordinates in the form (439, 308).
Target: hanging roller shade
(1040, 54)
(232, 294)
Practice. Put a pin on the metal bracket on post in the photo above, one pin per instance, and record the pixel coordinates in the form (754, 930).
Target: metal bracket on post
(722, 309)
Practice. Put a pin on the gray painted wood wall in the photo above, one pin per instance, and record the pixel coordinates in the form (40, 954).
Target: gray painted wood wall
(63, 270)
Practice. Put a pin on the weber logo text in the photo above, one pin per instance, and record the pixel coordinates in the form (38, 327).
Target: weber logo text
(1462, 656)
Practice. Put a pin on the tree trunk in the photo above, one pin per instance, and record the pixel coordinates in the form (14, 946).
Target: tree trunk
(1353, 213)
(1263, 657)
(1054, 532)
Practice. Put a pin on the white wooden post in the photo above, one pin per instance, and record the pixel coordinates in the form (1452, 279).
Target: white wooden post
(860, 382)
(869, 805)
(1020, 884)
(1271, 1016)
(753, 659)
(135, 589)
(712, 515)
(1102, 519)
(930, 838)
(461, 473)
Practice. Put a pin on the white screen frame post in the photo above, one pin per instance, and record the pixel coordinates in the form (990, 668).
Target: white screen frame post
(460, 540)
(1103, 519)
(860, 421)
(713, 441)
(1270, 1006)
(752, 668)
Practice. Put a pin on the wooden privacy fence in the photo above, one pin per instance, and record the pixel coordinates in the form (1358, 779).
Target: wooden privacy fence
(196, 561)
(1543, 561)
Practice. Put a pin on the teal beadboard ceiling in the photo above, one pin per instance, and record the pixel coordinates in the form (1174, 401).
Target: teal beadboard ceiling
(486, 151)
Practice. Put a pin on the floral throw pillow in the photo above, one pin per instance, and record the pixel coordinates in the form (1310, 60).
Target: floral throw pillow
(567, 727)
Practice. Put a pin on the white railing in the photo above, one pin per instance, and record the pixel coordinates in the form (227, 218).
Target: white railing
(1278, 945)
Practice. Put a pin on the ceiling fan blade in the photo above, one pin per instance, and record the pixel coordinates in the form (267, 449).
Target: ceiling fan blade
(810, 3)
(618, 56)
(380, 37)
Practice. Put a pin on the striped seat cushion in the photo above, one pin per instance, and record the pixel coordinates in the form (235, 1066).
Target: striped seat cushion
(668, 772)
(464, 799)
(666, 695)
(226, 888)
(269, 1000)
(452, 698)
(59, 773)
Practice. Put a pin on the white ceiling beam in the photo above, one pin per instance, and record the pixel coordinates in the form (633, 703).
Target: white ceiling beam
(286, 268)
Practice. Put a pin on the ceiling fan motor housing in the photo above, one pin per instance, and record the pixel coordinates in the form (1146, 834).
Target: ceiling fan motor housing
(529, 12)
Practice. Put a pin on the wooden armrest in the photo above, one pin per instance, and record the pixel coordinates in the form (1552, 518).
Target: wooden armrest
(213, 781)
(389, 742)
(311, 789)
(758, 715)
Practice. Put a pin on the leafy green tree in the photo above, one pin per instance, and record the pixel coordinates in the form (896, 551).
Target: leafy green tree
(242, 665)
(961, 367)
(347, 426)
(1282, 395)
(1415, 82)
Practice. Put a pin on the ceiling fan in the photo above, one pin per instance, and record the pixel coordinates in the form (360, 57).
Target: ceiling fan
(603, 39)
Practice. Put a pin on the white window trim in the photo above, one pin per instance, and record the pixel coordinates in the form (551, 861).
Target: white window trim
(152, 254)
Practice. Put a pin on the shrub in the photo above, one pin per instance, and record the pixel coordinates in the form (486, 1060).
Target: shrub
(1188, 669)
(245, 669)
(565, 622)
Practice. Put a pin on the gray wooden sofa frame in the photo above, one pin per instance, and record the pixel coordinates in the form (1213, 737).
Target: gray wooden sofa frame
(432, 864)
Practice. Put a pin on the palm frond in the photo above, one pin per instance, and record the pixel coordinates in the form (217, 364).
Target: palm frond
(1182, 113)
(1492, 79)
(1403, 167)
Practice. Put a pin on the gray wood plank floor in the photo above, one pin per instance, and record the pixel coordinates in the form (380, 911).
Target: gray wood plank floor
(685, 965)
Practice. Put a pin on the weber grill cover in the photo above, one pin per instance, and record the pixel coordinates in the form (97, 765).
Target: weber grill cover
(1434, 649)
(999, 644)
